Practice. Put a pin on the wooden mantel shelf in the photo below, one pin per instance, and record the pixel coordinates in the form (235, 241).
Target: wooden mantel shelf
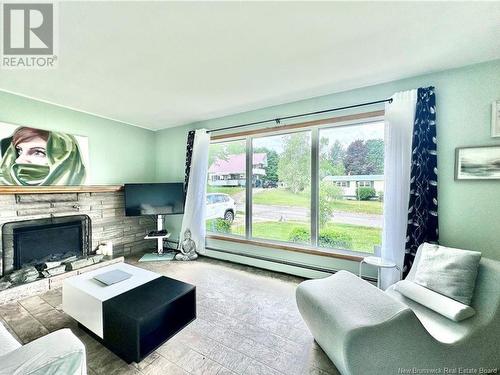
(60, 189)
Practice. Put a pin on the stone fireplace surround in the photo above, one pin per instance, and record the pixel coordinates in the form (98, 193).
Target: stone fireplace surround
(105, 209)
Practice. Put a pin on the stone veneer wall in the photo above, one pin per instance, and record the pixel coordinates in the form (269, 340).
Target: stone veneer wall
(106, 210)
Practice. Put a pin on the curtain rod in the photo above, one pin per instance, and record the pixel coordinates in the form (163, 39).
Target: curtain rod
(279, 119)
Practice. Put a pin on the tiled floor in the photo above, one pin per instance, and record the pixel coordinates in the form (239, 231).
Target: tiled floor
(247, 323)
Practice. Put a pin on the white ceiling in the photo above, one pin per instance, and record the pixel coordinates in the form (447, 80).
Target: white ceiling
(163, 64)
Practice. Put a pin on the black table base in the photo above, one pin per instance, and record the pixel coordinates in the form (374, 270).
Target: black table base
(140, 320)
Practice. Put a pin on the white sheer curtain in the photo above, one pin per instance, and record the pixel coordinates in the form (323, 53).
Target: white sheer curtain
(194, 210)
(399, 119)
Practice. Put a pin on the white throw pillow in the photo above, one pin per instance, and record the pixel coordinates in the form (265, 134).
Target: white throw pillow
(448, 271)
(443, 305)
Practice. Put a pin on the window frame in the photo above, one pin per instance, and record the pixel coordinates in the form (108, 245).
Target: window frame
(314, 127)
(343, 184)
(363, 183)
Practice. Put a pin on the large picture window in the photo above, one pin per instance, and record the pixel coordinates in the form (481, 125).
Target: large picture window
(316, 187)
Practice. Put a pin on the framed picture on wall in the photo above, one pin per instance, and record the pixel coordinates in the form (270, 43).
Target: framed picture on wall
(477, 163)
(495, 119)
(38, 157)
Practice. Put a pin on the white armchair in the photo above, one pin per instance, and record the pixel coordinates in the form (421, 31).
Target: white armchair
(58, 353)
(367, 331)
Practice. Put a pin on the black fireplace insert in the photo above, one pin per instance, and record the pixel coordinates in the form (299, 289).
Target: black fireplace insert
(31, 242)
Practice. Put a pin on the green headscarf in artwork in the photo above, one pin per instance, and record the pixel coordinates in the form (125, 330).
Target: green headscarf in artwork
(65, 166)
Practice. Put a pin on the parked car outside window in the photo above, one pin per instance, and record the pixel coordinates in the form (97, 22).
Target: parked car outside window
(270, 184)
(220, 206)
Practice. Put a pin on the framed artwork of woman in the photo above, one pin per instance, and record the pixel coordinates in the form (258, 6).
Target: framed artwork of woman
(37, 157)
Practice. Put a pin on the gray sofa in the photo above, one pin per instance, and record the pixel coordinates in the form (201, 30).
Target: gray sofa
(365, 330)
(58, 353)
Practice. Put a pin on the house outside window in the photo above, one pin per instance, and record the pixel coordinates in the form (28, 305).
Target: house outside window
(229, 170)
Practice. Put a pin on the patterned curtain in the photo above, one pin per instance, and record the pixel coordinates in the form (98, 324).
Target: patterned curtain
(423, 206)
(189, 156)
(193, 221)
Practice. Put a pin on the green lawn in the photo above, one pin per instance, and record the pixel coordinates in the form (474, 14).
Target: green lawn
(363, 238)
(282, 197)
(230, 190)
(362, 207)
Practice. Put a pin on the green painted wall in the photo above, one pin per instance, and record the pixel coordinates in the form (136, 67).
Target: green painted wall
(467, 210)
(118, 152)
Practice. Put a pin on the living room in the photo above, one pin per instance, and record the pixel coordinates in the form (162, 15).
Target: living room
(249, 188)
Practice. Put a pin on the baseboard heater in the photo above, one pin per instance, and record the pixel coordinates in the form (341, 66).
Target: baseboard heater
(280, 261)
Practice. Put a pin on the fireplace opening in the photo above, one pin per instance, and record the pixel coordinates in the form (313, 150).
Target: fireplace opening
(47, 243)
(42, 241)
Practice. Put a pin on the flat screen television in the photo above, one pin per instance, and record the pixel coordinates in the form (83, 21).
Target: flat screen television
(154, 199)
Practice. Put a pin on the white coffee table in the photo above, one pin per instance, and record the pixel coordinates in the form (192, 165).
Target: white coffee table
(83, 296)
(133, 317)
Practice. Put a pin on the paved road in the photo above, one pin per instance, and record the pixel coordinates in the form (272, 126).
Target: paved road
(275, 213)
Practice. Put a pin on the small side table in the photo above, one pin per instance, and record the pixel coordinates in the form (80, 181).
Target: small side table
(379, 263)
